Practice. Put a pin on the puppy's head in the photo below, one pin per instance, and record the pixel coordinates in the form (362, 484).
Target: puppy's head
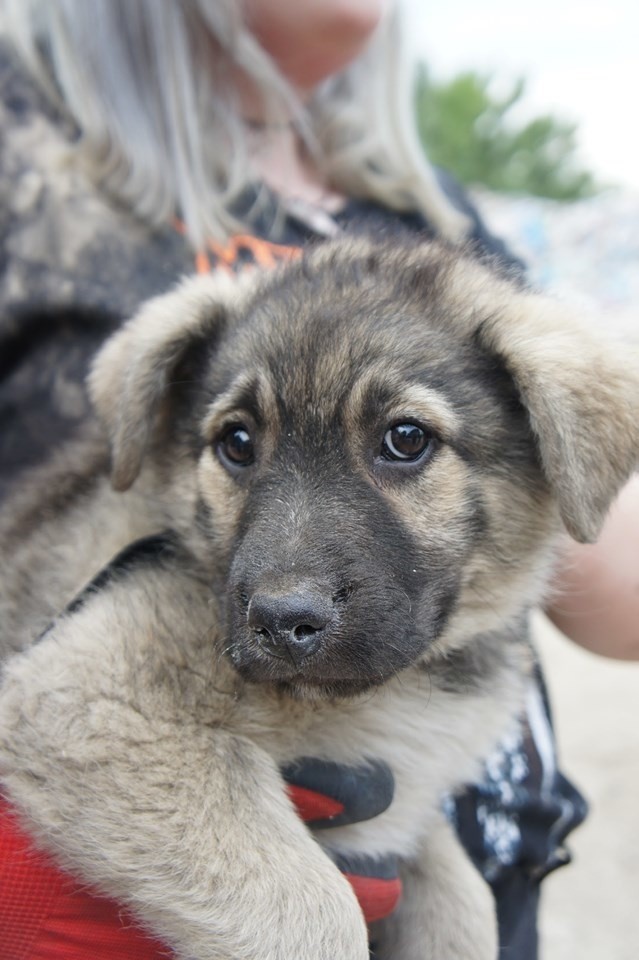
(382, 442)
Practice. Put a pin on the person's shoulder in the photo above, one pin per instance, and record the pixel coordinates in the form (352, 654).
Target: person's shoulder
(31, 165)
(480, 236)
(369, 216)
(64, 241)
(21, 98)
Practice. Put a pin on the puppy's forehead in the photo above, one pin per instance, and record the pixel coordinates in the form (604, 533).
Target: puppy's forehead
(311, 380)
(325, 345)
(343, 341)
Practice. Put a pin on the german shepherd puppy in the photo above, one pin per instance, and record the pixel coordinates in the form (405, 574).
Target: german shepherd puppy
(361, 465)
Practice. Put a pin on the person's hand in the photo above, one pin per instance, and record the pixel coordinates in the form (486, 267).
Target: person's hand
(328, 794)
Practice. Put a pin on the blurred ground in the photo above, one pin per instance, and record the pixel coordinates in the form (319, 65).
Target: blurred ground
(588, 253)
(590, 909)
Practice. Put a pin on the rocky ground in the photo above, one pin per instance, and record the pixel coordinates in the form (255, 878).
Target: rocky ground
(588, 253)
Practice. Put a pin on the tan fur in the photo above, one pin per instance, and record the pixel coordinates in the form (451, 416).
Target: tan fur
(129, 743)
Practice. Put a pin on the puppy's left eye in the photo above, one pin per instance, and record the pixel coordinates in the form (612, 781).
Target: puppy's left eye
(406, 442)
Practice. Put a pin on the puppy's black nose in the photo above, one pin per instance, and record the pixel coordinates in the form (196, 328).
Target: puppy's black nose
(290, 625)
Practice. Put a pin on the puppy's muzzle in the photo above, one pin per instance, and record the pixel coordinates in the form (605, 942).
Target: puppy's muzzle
(290, 626)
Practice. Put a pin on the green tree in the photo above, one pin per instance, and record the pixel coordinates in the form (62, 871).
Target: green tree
(467, 129)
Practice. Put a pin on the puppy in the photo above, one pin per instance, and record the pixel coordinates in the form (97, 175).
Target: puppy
(360, 467)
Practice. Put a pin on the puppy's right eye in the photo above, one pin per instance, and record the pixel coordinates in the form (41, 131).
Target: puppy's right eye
(235, 447)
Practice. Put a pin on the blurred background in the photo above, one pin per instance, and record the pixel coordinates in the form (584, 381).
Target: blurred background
(534, 107)
(579, 61)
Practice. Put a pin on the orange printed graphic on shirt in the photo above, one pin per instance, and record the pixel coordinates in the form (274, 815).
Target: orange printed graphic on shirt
(242, 250)
(203, 263)
(262, 252)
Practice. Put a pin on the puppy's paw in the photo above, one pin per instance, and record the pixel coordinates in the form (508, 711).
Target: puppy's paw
(318, 920)
(447, 911)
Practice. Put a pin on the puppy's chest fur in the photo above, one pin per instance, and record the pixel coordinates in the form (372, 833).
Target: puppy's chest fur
(430, 738)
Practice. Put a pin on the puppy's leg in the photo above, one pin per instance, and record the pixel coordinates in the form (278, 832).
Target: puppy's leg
(120, 755)
(447, 911)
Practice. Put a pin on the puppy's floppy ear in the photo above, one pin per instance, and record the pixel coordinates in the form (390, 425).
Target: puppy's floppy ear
(582, 396)
(579, 386)
(130, 375)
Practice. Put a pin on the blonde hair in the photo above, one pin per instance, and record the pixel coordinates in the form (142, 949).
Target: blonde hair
(149, 84)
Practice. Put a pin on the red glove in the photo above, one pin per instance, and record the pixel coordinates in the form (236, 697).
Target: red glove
(46, 915)
(331, 795)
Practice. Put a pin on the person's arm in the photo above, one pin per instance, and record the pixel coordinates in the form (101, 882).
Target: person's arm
(596, 601)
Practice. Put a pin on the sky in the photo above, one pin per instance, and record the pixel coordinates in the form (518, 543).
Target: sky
(580, 60)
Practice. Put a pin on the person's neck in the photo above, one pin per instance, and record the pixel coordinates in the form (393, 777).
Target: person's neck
(277, 156)
(280, 161)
